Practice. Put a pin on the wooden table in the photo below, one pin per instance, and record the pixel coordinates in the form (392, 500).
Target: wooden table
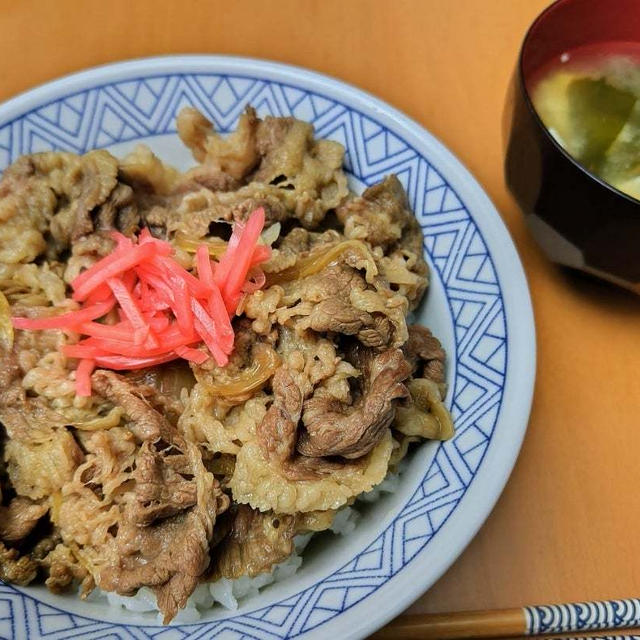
(566, 526)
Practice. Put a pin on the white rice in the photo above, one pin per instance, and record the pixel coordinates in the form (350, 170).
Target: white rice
(229, 593)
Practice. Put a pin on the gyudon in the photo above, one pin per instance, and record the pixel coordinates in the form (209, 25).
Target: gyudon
(198, 367)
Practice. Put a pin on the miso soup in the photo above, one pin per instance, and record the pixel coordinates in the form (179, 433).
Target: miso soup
(589, 100)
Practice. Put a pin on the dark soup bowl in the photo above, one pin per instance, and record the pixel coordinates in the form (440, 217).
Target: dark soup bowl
(578, 219)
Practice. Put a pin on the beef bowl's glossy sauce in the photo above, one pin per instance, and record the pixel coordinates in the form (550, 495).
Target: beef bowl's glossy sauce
(589, 100)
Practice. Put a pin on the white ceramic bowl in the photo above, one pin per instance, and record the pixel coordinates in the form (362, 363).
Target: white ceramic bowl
(478, 305)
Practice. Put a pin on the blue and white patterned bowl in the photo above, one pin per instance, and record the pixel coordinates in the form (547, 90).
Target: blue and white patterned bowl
(478, 305)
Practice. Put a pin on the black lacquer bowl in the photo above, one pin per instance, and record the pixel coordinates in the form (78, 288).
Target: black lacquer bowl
(578, 219)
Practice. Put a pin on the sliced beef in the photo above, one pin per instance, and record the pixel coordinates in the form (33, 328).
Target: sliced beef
(379, 216)
(171, 554)
(145, 422)
(160, 489)
(27, 206)
(19, 518)
(309, 169)
(333, 428)
(16, 569)
(305, 484)
(9, 373)
(382, 217)
(278, 429)
(163, 386)
(289, 173)
(424, 414)
(157, 532)
(234, 155)
(332, 309)
(206, 177)
(119, 211)
(142, 170)
(255, 542)
(64, 570)
(425, 353)
(278, 433)
(27, 420)
(338, 300)
(87, 251)
(39, 466)
(79, 184)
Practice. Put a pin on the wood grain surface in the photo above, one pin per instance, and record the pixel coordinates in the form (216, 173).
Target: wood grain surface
(566, 526)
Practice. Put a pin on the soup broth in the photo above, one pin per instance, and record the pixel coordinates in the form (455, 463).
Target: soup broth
(589, 100)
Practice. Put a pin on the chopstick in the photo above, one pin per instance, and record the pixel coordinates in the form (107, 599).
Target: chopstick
(577, 617)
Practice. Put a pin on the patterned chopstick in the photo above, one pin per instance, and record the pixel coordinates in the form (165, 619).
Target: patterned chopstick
(582, 616)
(594, 638)
(542, 620)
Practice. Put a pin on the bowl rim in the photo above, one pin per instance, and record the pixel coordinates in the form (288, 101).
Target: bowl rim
(479, 499)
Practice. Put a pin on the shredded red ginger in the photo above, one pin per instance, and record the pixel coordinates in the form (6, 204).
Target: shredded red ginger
(164, 311)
